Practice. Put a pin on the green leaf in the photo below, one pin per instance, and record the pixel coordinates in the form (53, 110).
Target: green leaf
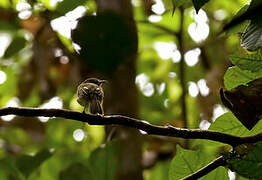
(27, 164)
(159, 171)
(198, 4)
(228, 123)
(102, 163)
(15, 46)
(75, 171)
(68, 5)
(251, 62)
(248, 164)
(235, 77)
(9, 169)
(187, 162)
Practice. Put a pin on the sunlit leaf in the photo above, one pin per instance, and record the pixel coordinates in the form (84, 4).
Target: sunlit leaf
(228, 123)
(159, 171)
(15, 46)
(68, 5)
(187, 162)
(235, 77)
(251, 62)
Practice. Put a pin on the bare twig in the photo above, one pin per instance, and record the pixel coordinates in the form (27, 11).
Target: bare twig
(133, 123)
(220, 161)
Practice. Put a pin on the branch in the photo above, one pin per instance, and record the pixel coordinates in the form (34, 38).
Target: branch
(133, 123)
(182, 68)
(220, 161)
(158, 26)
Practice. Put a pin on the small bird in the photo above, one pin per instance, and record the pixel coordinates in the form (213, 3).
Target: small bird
(90, 93)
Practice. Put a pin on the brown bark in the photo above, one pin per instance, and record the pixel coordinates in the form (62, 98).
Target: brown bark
(122, 96)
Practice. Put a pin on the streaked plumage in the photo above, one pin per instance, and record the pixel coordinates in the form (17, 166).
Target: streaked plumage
(90, 94)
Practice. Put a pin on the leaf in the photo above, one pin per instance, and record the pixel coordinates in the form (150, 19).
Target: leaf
(228, 123)
(245, 102)
(252, 13)
(198, 4)
(187, 162)
(251, 62)
(15, 46)
(102, 163)
(251, 38)
(27, 164)
(9, 169)
(248, 164)
(159, 171)
(235, 76)
(75, 171)
(68, 5)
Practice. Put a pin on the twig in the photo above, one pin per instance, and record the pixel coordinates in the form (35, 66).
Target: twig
(133, 123)
(158, 26)
(220, 161)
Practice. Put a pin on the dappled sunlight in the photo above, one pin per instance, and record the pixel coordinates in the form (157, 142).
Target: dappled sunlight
(161, 88)
(218, 111)
(232, 175)
(5, 40)
(167, 50)
(172, 74)
(146, 87)
(204, 124)
(193, 89)
(202, 85)
(55, 102)
(24, 9)
(192, 56)
(154, 18)
(14, 102)
(220, 14)
(64, 24)
(158, 7)
(79, 135)
(199, 29)
(2, 77)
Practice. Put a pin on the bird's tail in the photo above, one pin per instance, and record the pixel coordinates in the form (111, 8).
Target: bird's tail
(95, 107)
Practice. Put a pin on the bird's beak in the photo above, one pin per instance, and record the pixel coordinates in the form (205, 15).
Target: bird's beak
(103, 81)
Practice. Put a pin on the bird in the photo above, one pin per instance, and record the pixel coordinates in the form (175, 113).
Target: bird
(90, 94)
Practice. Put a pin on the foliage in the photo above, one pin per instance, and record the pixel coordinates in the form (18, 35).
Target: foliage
(39, 69)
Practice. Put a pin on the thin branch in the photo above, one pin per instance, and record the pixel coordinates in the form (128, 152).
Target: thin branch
(182, 67)
(158, 26)
(133, 123)
(220, 161)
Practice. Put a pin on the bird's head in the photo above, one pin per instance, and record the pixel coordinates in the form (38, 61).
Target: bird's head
(95, 81)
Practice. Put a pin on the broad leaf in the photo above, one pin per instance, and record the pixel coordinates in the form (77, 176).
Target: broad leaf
(235, 77)
(199, 3)
(68, 5)
(102, 163)
(251, 62)
(187, 162)
(27, 164)
(16, 45)
(228, 123)
(248, 163)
